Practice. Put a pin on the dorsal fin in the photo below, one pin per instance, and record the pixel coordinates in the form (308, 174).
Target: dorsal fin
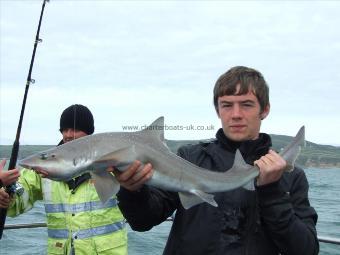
(155, 129)
(238, 160)
(154, 133)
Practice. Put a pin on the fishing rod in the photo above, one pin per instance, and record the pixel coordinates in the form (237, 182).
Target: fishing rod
(16, 188)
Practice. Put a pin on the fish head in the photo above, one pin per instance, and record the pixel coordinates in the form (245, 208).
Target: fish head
(54, 163)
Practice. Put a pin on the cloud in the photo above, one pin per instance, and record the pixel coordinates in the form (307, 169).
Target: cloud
(133, 61)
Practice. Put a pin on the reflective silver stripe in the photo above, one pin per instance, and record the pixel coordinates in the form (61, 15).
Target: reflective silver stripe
(47, 189)
(82, 207)
(58, 233)
(86, 233)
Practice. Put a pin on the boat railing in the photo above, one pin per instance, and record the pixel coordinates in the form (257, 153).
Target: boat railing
(323, 239)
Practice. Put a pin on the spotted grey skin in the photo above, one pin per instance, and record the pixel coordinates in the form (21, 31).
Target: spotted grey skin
(95, 153)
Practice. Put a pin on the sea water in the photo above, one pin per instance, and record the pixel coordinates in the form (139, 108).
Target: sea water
(324, 194)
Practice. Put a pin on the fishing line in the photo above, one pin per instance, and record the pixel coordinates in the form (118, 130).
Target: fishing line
(74, 121)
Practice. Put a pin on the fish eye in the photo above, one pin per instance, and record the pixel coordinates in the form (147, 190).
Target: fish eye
(43, 156)
(53, 156)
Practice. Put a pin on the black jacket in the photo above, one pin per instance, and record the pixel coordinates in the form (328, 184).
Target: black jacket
(274, 219)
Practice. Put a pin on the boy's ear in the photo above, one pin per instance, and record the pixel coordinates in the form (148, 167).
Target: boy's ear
(265, 112)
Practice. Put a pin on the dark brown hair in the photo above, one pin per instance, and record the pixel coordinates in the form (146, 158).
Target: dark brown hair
(248, 79)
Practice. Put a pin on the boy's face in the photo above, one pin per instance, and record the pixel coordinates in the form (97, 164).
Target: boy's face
(70, 134)
(241, 116)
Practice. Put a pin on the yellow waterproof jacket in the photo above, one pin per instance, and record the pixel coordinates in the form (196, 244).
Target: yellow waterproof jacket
(77, 221)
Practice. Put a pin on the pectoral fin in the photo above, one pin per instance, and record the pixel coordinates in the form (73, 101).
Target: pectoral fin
(196, 197)
(106, 185)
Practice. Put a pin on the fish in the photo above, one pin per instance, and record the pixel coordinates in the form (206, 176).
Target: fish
(95, 153)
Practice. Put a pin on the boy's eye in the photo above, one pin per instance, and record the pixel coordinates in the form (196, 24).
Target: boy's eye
(248, 104)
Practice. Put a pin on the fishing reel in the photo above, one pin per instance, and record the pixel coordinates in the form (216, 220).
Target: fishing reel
(15, 188)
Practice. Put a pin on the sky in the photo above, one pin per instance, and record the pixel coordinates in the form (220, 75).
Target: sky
(133, 61)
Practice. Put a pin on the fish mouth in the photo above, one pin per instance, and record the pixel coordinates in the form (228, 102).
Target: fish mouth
(38, 170)
(24, 165)
(31, 167)
(41, 171)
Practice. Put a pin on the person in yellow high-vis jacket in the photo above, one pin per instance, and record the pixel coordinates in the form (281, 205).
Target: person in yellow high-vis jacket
(77, 221)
